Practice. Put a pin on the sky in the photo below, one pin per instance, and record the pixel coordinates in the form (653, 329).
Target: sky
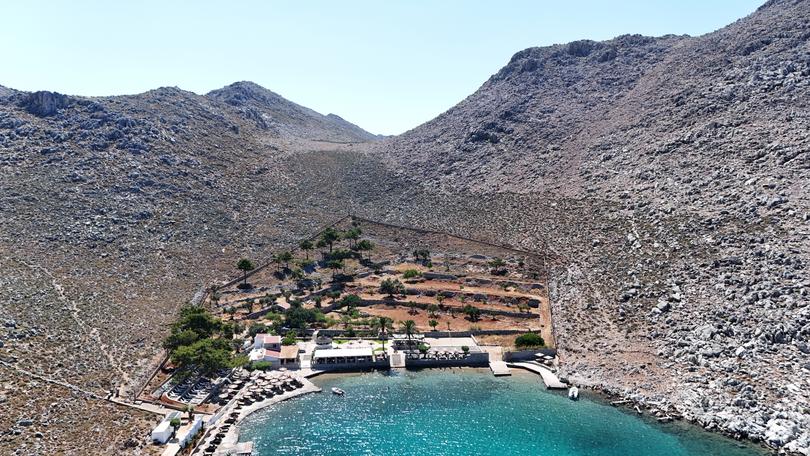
(387, 66)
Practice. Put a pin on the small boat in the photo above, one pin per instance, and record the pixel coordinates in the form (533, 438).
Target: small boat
(338, 391)
(573, 393)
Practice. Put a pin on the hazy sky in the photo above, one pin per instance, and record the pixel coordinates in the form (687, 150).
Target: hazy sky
(387, 66)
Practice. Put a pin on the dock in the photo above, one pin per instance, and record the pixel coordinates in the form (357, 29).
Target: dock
(549, 378)
(397, 360)
(499, 368)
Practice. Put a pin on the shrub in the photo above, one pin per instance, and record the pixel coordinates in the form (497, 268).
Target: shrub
(411, 273)
(261, 365)
(529, 340)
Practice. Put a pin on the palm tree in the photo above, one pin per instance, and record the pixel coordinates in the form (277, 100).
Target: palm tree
(433, 324)
(306, 245)
(382, 325)
(409, 328)
(175, 423)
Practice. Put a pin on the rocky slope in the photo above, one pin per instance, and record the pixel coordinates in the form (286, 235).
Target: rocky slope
(686, 163)
(665, 177)
(115, 211)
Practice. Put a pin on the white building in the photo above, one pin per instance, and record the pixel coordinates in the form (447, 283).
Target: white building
(267, 341)
(343, 356)
(163, 432)
(268, 348)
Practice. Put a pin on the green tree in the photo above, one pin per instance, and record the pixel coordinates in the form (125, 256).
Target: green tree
(245, 266)
(207, 355)
(433, 324)
(422, 255)
(301, 318)
(306, 245)
(352, 234)
(289, 338)
(197, 319)
(329, 237)
(333, 295)
(364, 246)
(176, 339)
(472, 312)
(351, 301)
(432, 309)
(392, 287)
(334, 265)
(321, 244)
(285, 257)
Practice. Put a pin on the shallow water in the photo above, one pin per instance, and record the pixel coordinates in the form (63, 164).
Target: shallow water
(465, 412)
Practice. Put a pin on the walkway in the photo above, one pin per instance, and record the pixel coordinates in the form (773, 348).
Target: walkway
(549, 378)
(496, 364)
(499, 368)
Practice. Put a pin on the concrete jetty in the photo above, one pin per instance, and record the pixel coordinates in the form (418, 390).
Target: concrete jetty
(549, 378)
(499, 368)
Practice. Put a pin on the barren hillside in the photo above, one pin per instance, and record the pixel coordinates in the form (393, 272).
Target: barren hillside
(666, 177)
(674, 176)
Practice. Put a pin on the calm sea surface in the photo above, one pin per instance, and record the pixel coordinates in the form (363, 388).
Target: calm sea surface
(465, 412)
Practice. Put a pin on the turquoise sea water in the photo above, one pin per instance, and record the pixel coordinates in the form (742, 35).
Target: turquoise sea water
(465, 412)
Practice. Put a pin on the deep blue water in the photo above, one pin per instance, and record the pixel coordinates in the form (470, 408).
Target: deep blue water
(465, 412)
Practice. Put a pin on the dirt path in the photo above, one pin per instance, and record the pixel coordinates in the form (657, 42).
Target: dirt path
(88, 332)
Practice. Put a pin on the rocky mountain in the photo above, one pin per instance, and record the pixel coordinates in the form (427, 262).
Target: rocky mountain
(683, 165)
(665, 178)
(115, 211)
(272, 112)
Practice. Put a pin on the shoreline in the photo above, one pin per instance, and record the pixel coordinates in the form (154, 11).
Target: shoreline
(598, 393)
(231, 438)
(626, 402)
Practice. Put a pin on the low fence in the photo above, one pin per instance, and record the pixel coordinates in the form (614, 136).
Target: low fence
(434, 334)
(478, 359)
(424, 306)
(523, 355)
(379, 364)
